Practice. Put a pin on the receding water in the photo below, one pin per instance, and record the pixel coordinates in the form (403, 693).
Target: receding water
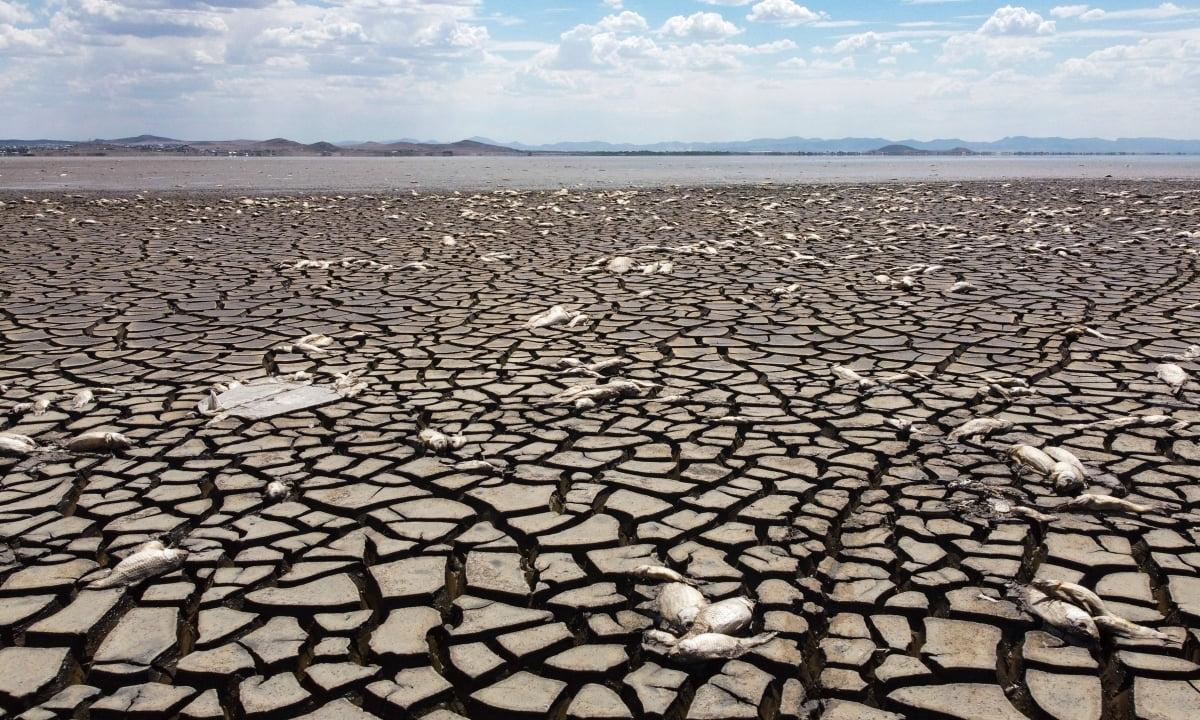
(342, 174)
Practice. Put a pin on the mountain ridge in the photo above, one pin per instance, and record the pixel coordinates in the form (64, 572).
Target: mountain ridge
(478, 145)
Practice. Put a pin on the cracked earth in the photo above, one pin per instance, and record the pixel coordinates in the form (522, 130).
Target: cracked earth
(754, 387)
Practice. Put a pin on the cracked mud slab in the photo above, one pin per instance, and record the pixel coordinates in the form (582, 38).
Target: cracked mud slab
(757, 388)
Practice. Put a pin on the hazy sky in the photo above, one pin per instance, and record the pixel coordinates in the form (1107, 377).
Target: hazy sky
(618, 70)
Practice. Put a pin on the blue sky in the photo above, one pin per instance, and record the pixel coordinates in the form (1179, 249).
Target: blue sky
(617, 70)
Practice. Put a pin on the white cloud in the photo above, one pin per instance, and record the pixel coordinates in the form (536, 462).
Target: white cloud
(727, 3)
(1010, 20)
(614, 4)
(700, 26)
(794, 63)
(1067, 11)
(783, 12)
(628, 21)
(1165, 11)
(904, 48)
(12, 13)
(861, 44)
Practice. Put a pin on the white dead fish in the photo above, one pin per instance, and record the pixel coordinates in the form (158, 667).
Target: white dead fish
(1028, 512)
(317, 339)
(150, 560)
(619, 265)
(1066, 478)
(716, 646)
(97, 441)
(439, 441)
(277, 490)
(484, 465)
(658, 573)
(962, 286)
(1127, 421)
(660, 638)
(1192, 353)
(1080, 330)
(1088, 501)
(678, 604)
(1073, 593)
(727, 617)
(978, 427)
(1174, 376)
(1056, 613)
(1120, 627)
(41, 405)
(82, 399)
(553, 316)
(846, 375)
(16, 444)
(1031, 459)
(585, 397)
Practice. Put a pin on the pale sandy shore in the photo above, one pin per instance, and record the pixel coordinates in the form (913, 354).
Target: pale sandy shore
(761, 388)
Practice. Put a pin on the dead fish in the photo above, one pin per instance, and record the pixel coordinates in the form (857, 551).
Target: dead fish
(1031, 458)
(1174, 376)
(585, 397)
(1056, 613)
(316, 339)
(660, 638)
(678, 604)
(1192, 353)
(15, 444)
(41, 405)
(82, 399)
(1088, 501)
(596, 368)
(150, 560)
(98, 441)
(905, 376)
(1032, 514)
(658, 573)
(553, 316)
(277, 490)
(978, 427)
(962, 286)
(438, 441)
(846, 375)
(619, 265)
(1127, 421)
(715, 646)
(298, 376)
(1080, 330)
(1119, 626)
(484, 465)
(727, 616)
(1073, 593)
(1066, 478)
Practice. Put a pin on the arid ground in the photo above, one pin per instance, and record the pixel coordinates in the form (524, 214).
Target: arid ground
(755, 387)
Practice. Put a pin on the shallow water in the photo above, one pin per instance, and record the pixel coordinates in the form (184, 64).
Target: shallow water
(161, 173)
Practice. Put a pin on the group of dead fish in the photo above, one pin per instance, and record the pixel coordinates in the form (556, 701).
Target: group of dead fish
(695, 629)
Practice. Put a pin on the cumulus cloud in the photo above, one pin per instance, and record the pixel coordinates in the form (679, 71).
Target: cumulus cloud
(628, 22)
(783, 12)
(1068, 11)
(99, 19)
(614, 4)
(1010, 20)
(861, 44)
(729, 3)
(700, 26)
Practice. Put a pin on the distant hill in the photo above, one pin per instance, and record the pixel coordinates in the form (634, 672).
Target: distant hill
(1014, 144)
(1018, 144)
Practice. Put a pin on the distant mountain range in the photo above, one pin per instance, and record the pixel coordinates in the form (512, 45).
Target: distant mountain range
(1014, 144)
(142, 144)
